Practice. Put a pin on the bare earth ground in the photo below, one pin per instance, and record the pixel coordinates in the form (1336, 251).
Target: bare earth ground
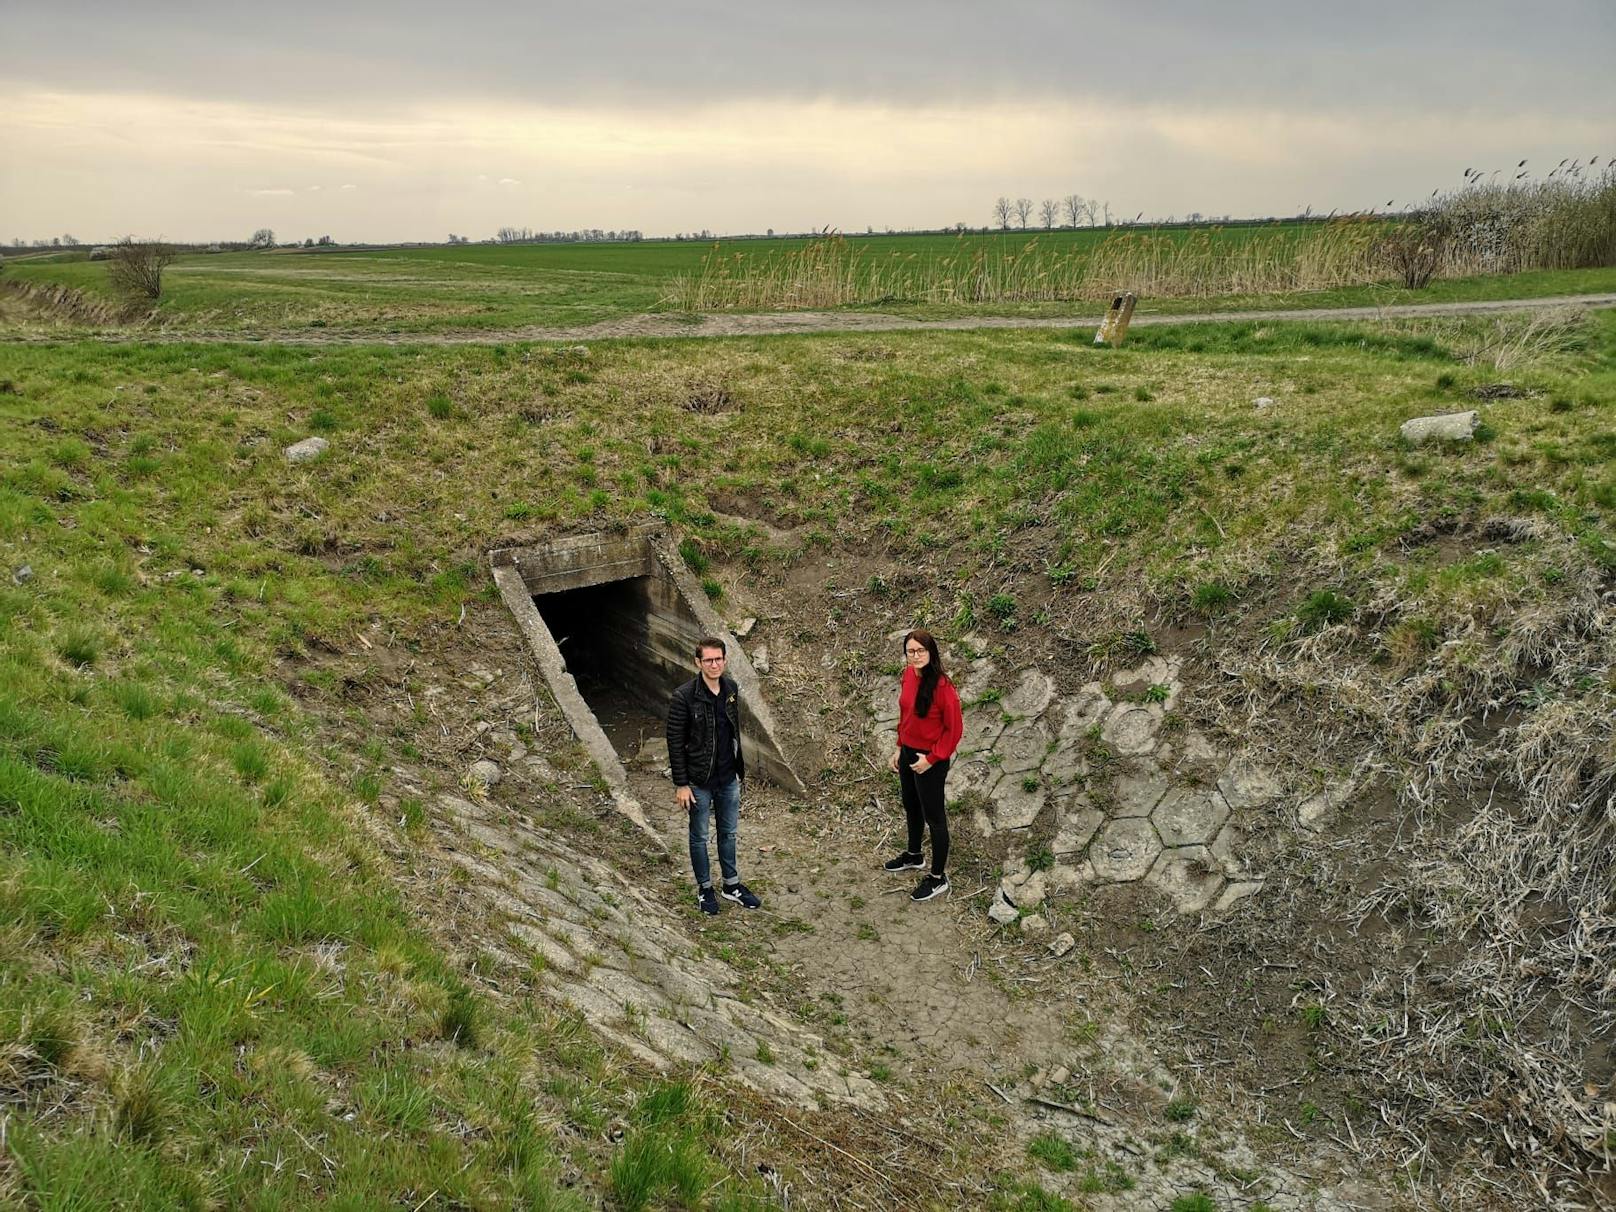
(902, 1033)
(777, 323)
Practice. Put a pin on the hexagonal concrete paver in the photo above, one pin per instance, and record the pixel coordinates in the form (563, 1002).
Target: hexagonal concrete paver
(1236, 890)
(1030, 695)
(1189, 816)
(1014, 806)
(977, 681)
(1140, 790)
(1189, 876)
(1023, 746)
(1245, 784)
(1065, 763)
(1077, 821)
(1227, 848)
(971, 773)
(1124, 850)
(1131, 728)
(983, 726)
(1082, 711)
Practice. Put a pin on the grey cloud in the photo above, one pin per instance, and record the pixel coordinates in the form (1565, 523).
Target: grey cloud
(1487, 55)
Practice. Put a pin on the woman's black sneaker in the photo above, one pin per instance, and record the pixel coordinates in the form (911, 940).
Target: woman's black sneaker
(904, 862)
(932, 885)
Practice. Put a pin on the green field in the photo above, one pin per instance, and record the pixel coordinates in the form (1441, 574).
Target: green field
(501, 288)
(218, 985)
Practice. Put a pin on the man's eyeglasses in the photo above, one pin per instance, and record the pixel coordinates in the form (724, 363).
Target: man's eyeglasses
(717, 660)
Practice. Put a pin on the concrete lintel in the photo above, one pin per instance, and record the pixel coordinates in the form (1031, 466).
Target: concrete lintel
(579, 561)
(514, 590)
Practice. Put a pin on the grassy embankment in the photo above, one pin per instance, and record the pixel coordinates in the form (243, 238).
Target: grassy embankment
(492, 288)
(212, 989)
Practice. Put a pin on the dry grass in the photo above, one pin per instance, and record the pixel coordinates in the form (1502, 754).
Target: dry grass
(1486, 1047)
(830, 272)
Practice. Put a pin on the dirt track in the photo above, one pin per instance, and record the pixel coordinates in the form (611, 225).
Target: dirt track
(673, 325)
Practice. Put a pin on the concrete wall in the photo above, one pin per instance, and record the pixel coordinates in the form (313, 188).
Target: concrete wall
(650, 628)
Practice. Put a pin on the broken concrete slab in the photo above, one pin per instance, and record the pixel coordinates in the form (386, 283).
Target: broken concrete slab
(1245, 784)
(1188, 875)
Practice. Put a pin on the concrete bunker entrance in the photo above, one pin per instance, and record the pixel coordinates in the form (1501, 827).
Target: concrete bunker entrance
(613, 620)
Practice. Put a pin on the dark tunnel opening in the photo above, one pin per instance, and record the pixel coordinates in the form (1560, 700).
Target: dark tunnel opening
(627, 644)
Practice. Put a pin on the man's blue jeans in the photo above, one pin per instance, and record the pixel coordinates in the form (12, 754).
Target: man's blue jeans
(728, 801)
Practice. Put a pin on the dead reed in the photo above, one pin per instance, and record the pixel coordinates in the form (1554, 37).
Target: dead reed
(830, 271)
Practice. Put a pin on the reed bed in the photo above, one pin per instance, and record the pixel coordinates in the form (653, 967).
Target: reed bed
(830, 271)
(1564, 221)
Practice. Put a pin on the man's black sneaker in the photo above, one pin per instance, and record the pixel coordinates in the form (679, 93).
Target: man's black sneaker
(906, 861)
(708, 900)
(930, 886)
(741, 895)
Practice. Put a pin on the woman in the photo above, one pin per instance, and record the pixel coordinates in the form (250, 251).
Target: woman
(929, 730)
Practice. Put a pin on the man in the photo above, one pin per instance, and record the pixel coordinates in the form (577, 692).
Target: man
(704, 756)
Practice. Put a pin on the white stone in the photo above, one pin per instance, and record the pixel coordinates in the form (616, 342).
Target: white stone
(1002, 911)
(1035, 924)
(1026, 893)
(306, 451)
(1059, 1075)
(760, 659)
(744, 628)
(1263, 402)
(1061, 944)
(1447, 427)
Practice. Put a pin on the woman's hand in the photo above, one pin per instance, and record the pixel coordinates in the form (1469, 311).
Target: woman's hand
(892, 762)
(921, 765)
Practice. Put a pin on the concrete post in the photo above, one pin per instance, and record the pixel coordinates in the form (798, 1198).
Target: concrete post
(1115, 325)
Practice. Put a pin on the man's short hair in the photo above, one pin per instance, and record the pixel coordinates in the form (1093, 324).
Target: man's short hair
(710, 641)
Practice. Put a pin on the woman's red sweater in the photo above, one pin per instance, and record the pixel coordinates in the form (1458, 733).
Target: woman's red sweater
(939, 733)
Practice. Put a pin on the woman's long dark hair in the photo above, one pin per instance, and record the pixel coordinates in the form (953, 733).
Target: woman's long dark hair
(931, 674)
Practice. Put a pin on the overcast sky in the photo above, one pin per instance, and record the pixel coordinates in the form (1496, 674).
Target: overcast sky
(403, 120)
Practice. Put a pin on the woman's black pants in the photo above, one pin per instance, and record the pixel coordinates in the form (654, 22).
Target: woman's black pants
(923, 805)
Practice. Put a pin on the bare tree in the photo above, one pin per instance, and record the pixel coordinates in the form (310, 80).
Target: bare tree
(135, 267)
(1049, 211)
(1023, 211)
(262, 238)
(1074, 209)
(1001, 213)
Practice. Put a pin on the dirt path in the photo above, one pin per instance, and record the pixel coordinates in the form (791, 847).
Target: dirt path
(680, 325)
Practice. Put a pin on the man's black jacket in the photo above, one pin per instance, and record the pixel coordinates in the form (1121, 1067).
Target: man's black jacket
(693, 730)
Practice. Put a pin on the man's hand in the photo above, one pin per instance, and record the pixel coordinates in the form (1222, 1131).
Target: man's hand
(685, 798)
(892, 762)
(921, 764)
